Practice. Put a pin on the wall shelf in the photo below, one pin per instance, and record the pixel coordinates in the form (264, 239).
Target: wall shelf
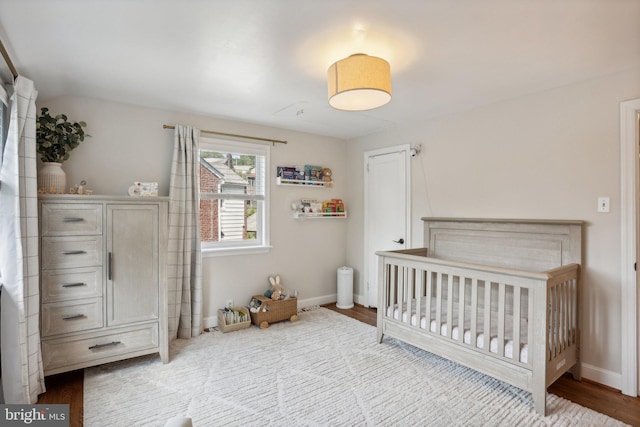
(319, 215)
(301, 183)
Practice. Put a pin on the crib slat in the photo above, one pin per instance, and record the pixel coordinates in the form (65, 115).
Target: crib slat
(559, 320)
(568, 309)
(474, 312)
(516, 323)
(408, 271)
(563, 316)
(438, 303)
(574, 310)
(400, 293)
(487, 316)
(554, 324)
(567, 319)
(427, 311)
(501, 304)
(450, 306)
(549, 329)
(393, 275)
(461, 308)
(419, 277)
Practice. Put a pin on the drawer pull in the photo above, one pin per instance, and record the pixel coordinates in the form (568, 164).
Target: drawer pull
(72, 219)
(74, 252)
(73, 316)
(73, 285)
(109, 344)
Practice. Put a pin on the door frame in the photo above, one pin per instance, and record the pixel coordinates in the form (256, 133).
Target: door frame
(630, 223)
(404, 148)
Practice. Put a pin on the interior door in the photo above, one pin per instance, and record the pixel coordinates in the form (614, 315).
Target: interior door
(387, 209)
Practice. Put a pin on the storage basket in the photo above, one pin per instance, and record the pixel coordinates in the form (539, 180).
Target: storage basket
(271, 311)
(227, 324)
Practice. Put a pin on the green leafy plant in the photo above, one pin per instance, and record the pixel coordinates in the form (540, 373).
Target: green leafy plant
(57, 136)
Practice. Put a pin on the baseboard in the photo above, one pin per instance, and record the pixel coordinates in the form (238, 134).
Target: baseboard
(602, 376)
(310, 302)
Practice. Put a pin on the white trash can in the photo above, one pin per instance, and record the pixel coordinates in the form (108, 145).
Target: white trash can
(345, 288)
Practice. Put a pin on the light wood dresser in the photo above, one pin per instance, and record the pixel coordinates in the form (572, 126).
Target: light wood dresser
(103, 287)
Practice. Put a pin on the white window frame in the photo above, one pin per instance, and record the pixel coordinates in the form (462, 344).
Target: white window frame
(262, 244)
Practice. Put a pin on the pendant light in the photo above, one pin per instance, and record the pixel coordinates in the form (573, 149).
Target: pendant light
(359, 82)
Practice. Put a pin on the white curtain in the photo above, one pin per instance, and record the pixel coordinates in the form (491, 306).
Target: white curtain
(22, 371)
(185, 257)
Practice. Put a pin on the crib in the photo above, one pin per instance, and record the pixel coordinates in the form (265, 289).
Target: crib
(498, 296)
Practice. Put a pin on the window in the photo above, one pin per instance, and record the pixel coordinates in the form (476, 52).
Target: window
(233, 197)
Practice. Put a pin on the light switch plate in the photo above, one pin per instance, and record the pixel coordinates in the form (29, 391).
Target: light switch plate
(603, 204)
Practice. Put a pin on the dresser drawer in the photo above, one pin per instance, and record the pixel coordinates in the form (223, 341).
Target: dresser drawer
(74, 316)
(79, 351)
(71, 219)
(70, 284)
(67, 252)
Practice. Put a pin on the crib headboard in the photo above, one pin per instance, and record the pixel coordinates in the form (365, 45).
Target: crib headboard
(531, 245)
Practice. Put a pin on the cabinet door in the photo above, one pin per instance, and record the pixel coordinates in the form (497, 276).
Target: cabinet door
(132, 263)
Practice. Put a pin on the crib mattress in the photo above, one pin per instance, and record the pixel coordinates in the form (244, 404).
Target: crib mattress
(393, 311)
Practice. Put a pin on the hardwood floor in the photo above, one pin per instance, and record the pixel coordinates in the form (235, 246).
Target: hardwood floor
(68, 387)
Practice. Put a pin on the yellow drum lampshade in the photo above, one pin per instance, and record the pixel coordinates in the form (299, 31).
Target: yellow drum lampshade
(359, 82)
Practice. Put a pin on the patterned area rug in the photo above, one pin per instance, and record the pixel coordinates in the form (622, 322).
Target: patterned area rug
(325, 369)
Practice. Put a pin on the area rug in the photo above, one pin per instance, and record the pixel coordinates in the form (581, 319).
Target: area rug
(324, 370)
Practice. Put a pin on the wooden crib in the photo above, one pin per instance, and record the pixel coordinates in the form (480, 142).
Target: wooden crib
(499, 296)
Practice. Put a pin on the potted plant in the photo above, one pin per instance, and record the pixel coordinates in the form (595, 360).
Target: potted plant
(55, 138)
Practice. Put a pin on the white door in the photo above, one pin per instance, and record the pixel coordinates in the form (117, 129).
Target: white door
(387, 214)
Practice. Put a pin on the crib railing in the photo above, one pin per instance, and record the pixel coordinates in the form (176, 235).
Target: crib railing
(482, 308)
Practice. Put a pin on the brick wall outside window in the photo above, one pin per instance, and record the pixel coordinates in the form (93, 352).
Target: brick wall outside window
(208, 208)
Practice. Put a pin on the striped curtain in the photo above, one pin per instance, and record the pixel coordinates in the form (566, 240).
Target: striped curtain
(184, 254)
(22, 370)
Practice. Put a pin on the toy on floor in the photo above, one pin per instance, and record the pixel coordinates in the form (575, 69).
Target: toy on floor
(276, 288)
(254, 305)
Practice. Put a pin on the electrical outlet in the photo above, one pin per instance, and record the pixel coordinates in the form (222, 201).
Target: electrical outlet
(603, 204)
(229, 303)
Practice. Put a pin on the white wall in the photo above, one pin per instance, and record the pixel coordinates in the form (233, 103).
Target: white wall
(129, 144)
(547, 155)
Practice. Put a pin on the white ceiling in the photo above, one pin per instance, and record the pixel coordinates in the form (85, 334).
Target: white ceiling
(265, 61)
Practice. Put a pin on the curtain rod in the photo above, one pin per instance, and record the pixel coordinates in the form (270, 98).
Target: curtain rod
(234, 135)
(5, 55)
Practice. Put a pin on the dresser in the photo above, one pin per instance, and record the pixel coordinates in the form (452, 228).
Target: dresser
(103, 287)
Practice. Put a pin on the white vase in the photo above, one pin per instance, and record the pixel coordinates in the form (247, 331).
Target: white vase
(51, 178)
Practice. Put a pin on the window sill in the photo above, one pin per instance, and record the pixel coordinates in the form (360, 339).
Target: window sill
(247, 250)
